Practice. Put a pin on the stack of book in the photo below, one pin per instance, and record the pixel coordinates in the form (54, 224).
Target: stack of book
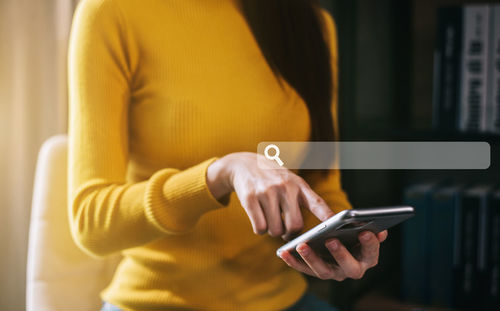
(451, 248)
(467, 69)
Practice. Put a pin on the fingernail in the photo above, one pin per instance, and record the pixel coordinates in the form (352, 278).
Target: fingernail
(333, 245)
(365, 236)
(303, 250)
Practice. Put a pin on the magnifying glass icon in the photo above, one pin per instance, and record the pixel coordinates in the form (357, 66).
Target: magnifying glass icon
(276, 156)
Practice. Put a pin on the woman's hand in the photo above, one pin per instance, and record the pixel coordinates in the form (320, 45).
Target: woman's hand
(272, 200)
(348, 266)
(271, 197)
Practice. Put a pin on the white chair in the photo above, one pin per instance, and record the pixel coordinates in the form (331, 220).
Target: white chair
(60, 276)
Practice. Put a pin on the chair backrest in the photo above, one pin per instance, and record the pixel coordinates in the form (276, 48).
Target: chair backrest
(59, 275)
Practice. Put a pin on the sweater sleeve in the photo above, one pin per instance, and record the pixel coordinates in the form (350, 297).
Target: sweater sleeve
(107, 213)
(328, 186)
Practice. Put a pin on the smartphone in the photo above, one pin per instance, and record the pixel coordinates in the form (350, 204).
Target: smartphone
(346, 226)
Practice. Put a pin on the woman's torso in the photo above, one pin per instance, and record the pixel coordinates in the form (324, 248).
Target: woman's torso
(201, 88)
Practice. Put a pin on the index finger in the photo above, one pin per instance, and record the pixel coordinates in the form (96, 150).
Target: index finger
(315, 203)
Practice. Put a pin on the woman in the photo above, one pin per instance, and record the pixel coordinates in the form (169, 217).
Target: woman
(168, 99)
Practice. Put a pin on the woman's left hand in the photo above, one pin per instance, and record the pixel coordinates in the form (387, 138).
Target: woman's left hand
(347, 265)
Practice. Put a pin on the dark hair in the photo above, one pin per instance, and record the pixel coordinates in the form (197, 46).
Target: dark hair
(291, 38)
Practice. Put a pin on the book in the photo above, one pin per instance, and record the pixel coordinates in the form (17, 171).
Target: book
(493, 100)
(492, 288)
(474, 68)
(444, 244)
(447, 59)
(484, 232)
(471, 250)
(415, 243)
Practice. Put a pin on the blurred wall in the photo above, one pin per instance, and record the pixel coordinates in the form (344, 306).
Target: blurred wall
(33, 44)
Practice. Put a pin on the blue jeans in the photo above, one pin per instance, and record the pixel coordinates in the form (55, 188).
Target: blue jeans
(308, 302)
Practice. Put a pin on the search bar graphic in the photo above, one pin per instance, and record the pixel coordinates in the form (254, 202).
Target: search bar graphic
(276, 156)
(375, 155)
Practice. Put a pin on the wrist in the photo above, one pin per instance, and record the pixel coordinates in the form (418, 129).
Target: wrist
(218, 178)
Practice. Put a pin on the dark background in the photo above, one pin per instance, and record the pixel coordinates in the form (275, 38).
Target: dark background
(386, 52)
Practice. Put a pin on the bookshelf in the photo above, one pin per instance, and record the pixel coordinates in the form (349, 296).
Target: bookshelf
(386, 64)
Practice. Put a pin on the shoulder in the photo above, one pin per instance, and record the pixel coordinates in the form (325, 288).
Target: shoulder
(99, 16)
(95, 10)
(93, 7)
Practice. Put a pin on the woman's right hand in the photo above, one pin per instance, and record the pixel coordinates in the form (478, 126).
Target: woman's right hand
(270, 196)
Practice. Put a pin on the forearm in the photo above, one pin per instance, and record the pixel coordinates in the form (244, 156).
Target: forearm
(107, 217)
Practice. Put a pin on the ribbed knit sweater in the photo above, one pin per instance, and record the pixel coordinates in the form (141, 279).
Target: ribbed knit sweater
(158, 90)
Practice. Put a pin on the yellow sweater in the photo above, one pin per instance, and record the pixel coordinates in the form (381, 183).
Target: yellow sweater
(158, 90)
